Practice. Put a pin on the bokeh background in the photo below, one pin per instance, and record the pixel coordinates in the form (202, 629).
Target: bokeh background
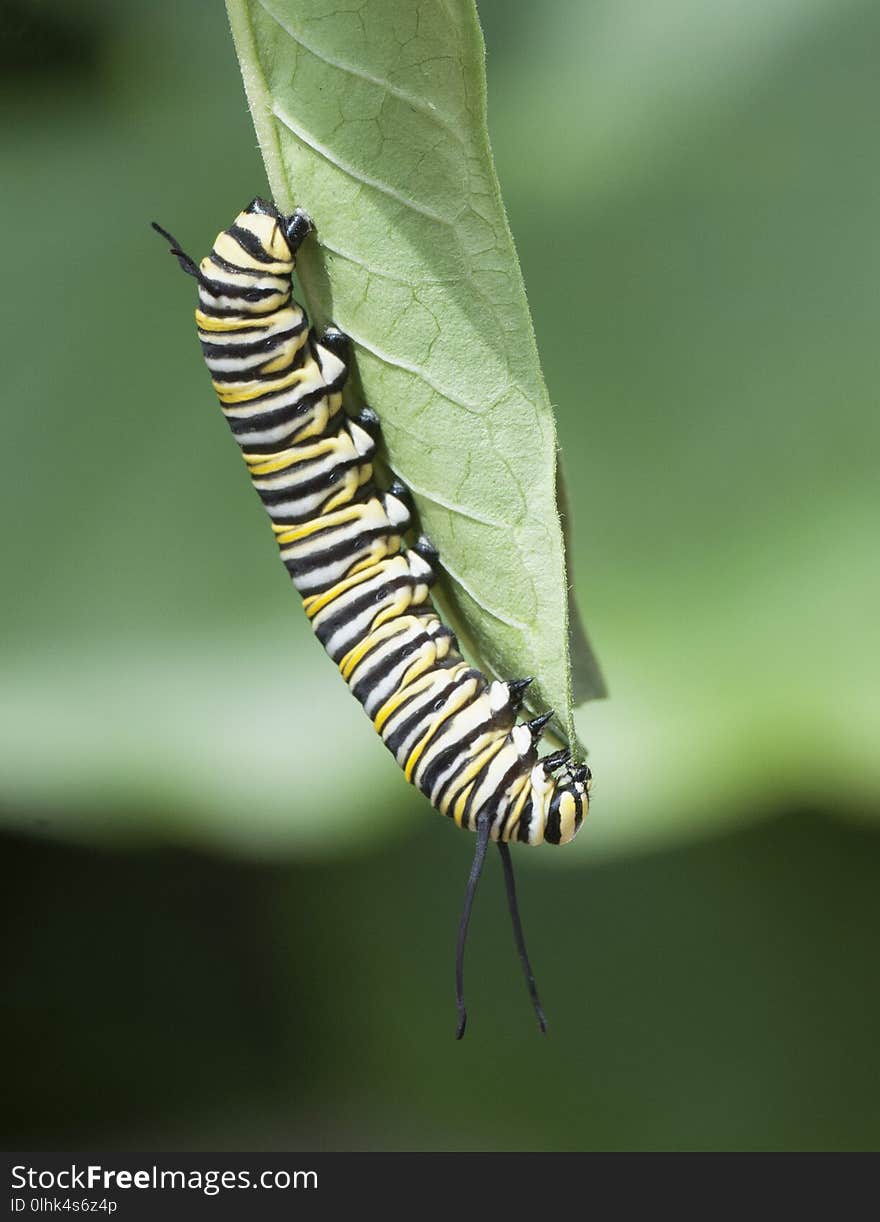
(227, 923)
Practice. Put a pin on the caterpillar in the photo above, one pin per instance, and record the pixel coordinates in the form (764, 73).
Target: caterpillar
(454, 732)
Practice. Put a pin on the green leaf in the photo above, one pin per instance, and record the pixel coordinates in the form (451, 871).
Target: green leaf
(374, 120)
(587, 682)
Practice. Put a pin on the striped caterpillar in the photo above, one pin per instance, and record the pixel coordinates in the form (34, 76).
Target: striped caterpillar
(454, 733)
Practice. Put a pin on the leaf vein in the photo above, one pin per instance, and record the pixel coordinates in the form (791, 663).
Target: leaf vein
(416, 370)
(436, 499)
(381, 272)
(417, 103)
(377, 184)
(481, 602)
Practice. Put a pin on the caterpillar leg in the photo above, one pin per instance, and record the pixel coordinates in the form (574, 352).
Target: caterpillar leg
(426, 550)
(297, 228)
(337, 342)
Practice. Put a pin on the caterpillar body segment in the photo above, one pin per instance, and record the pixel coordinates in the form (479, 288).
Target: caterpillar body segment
(454, 733)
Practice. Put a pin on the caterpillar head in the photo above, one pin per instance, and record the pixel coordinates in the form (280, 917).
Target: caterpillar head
(569, 806)
(280, 235)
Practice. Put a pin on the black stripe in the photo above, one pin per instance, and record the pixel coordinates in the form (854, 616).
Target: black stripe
(311, 396)
(517, 769)
(302, 566)
(447, 756)
(209, 346)
(222, 288)
(265, 344)
(524, 826)
(255, 372)
(329, 476)
(474, 787)
(326, 481)
(293, 466)
(222, 312)
(362, 494)
(552, 828)
(380, 671)
(263, 325)
(354, 609)
(252, 244)
(579, 811)
(266, 449)
(427, 714)
(227, 266)
(286, 415)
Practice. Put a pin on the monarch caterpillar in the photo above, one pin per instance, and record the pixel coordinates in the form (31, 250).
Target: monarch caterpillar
(453, 731)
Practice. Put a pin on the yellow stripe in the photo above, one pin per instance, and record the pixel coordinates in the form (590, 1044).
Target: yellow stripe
(227, 248)
(251, 391)
(567, 809)
(473, 770)
(273, 324)
(281, 361)
(431, 653)
(517, 809)
(240, 278)
(317, 602)
(403, 601)
(284, 534)
(261, 464)
(379, 551)
(458, 812)
(443, 716)
(393, 703)
(205, 322)
(266, 230)
(425, 659)
(469, 773)
(351, 660)
(349, 487)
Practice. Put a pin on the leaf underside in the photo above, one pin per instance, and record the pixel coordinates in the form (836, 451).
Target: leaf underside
(374, 121)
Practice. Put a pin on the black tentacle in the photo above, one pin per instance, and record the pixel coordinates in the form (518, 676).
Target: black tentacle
(484, 826)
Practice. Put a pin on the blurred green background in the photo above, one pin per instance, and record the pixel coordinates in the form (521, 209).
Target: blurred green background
(227, 921)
